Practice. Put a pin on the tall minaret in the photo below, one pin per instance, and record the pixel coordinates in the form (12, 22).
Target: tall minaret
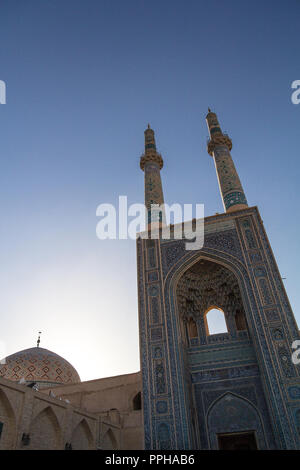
(151, 163)
(219, 147)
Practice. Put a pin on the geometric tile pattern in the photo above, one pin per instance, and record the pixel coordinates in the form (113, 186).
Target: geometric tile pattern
(171, 371)
(219, 147)
(40, 365)
(192, 390)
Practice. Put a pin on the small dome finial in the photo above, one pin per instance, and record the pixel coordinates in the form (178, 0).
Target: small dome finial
(39, 339)
(209, 110)
(149, 126)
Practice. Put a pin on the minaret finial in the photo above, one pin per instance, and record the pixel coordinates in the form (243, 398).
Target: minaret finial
(150, 145)
(39, 339)
(209, 110)
(219, 147)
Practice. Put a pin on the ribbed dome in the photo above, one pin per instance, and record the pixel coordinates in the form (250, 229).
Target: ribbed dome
(38, 365)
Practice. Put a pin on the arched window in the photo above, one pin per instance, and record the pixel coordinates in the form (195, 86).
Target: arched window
(192, 328)
(215, 321)
(137, 402)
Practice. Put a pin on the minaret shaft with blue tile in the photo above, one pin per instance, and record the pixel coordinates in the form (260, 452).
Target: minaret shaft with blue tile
(219, 147)
(151, 163)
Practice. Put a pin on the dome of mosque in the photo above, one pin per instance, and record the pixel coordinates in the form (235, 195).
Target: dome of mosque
(38, 365)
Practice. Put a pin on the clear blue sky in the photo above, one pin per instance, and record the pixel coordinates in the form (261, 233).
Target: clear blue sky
(84, 77)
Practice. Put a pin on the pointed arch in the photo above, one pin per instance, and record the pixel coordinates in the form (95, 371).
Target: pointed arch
(225, 260)
(8, 422)
(82, 437)
(230, 394)
(183, 264)
(184, 261)
(109, 441)
(232, 413)
(137, 401)
(175, 261)
(6, 408)
(45, 431)
(133, 399)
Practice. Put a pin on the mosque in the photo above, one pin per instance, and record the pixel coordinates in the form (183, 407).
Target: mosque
(238, 389)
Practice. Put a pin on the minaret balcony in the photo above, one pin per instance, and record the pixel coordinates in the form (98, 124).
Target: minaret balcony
(217, 140)
(151, 157)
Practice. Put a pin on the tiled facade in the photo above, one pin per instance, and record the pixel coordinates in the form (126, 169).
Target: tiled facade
(253, 368)
(199, 388)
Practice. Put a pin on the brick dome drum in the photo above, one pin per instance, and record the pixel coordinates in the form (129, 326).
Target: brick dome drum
(38, 365)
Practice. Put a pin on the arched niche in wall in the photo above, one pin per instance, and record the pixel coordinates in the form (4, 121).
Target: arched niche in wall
(232, 414)
(137, 401)
(109, 441)
(45, 431)
(205, 289)
(82, 438)
(8, 422)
